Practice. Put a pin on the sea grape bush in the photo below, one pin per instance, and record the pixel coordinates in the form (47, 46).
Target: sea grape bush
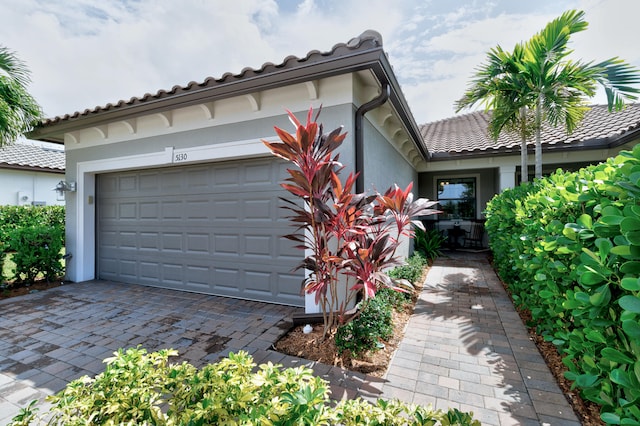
(350, 236)
(145, 388)
(568, 246)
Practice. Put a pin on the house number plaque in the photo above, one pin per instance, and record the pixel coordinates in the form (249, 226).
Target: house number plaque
(180, 157)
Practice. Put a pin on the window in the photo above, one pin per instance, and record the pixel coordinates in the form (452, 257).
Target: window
(457, 197)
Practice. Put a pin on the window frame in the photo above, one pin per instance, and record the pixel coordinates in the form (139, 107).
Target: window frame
(476, 198)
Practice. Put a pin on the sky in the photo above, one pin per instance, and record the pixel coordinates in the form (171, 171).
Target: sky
(87, 53)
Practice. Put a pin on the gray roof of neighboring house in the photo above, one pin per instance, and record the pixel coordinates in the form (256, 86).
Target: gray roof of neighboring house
(32, 157)
(466, 135)
(360, 53)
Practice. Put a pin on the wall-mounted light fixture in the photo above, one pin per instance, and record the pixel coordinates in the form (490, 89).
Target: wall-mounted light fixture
(63, 187)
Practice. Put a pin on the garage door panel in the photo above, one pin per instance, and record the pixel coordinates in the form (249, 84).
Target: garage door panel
(172, 210)
(259, 245)
(198, 243)
(128, 184)
(148, 271)
(149, 210)
(128, 269)
(198, 209)
(171, 242)
(150, 241)
(225, 244)
(148, 182)
(292, 284)
(214, 228)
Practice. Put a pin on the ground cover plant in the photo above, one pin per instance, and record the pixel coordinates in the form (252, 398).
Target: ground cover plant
(359, 345)
(141, 388)
(568, 247)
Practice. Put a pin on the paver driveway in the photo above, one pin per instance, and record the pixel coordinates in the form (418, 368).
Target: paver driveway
(465, 345)
(52, 337)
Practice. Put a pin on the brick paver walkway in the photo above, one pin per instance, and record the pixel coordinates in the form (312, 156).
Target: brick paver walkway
(466, 347)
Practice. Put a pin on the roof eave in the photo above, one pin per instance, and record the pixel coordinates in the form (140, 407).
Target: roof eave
(23, 167)
(587, 145)
(358, 60)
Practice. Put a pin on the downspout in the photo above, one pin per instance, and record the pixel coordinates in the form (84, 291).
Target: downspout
(359, 134)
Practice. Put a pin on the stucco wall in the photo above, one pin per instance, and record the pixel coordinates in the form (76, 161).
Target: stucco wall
(23, 187)
(384, 165)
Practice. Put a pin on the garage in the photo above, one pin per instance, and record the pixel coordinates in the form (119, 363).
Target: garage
(212, 228)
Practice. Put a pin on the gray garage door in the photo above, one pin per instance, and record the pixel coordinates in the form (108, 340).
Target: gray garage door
(213, 228)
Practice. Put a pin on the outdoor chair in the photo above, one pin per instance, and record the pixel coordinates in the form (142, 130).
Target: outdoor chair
(474, 237)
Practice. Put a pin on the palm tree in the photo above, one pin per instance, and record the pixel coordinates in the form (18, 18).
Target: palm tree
(543, 85)
(19, 111)
(498, 86)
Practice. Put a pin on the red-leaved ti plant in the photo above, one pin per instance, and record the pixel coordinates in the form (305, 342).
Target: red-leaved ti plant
(351, 238)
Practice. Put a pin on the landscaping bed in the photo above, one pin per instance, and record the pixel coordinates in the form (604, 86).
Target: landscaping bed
(313, 347)
(12, 290)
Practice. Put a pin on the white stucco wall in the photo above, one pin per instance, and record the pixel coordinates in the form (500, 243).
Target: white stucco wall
(24, 187)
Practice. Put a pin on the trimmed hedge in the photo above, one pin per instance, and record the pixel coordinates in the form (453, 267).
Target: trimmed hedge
(568, 247)
(141, 388)
(15, 217)
(35, 237)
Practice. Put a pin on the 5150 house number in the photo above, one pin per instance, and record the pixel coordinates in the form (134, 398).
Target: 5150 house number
(182, 156)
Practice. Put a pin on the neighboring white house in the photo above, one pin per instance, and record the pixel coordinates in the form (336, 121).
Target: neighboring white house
(29, 172)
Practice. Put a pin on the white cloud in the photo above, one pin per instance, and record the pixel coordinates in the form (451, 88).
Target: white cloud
(83, 54)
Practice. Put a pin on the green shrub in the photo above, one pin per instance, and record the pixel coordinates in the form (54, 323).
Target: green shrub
(141, 388)
(429, 242)
(398, 300)
(16, 217)
(413, 269)
(37, 251)
(568, 247)
(364, 333)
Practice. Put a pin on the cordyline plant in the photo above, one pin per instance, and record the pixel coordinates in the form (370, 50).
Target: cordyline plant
(351, 238)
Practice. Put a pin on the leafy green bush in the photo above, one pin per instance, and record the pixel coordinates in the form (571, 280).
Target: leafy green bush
(16, 217)
(413, 269)
(429, 242)
(37, 251)
(568, 246)
(364, 333)
(21, 223)
(141, 388)
(375, 320)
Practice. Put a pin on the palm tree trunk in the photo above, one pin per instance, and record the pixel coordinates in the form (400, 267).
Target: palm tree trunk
(538, 138)
(524, 172)
(524, 167)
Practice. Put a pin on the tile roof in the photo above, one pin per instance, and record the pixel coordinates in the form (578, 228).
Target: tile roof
(361, 53)
(467, 134)
(368, 40)
(20, 155)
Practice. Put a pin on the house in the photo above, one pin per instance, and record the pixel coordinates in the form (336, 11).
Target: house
(29, 172)
(175, 189)
(467, 168)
